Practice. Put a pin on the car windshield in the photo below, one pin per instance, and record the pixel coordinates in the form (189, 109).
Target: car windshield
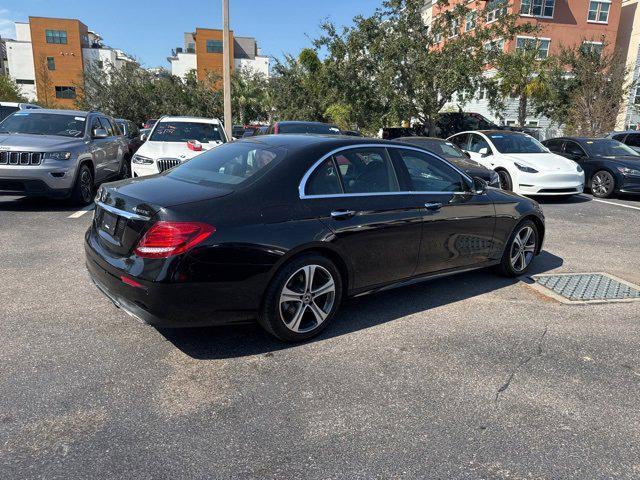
(319, 128)
(184, 131)
(5, 111)
(230, 164)
(516, 143)
(59, 124)
(443, 148)
(608, 148)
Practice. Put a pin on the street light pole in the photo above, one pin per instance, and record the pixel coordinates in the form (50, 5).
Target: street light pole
(226, 69)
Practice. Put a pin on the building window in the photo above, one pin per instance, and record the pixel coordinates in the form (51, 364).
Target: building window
(191, 48)
(100, 64)
(537, 8)
(214, 46)
(495, 9)
(592, 47)
(471, 21)
(636, 99)
(532, 123)
(541, 45)
(599, 11)
(453, 28)
(511, 123)
(85, 39)
(56, 36)
(21, 81)
(65, 92)
(494, 46)
(51, 63)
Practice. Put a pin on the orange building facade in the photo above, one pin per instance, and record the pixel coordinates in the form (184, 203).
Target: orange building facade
(208, 47)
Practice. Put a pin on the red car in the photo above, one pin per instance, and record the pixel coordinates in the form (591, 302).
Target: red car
(149, 123)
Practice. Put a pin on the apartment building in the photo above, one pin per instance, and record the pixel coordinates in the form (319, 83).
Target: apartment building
(49, 56)
(202, 52)
(592, 23)
(629, 45)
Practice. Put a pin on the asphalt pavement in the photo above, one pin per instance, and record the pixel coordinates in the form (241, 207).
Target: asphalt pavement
(469, 377)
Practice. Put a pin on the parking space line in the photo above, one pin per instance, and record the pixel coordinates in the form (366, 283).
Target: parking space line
(80, 213)
(617, 204)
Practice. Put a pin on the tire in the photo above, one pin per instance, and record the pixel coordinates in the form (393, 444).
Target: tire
(290, 310)
(505, 180)
(602, 184)
(521, 247)
(82, 193)
(125, 168)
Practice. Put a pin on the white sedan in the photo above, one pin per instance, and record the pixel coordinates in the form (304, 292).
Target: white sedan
(524, 165)
(173, 140)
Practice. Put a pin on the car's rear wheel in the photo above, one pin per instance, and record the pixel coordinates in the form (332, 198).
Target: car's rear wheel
(82, 193)
(602, 184)
(505, 180)
(520, 250)
(302, 298)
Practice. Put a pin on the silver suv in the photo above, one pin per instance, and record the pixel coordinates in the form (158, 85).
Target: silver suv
(60, 153)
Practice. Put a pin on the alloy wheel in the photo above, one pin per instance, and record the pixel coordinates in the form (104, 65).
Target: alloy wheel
(86, 185)
(307, 298)
(505, 180)
(523, 249)
(601, 184)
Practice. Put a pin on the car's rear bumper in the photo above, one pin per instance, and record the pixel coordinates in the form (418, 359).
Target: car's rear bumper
(167, 305)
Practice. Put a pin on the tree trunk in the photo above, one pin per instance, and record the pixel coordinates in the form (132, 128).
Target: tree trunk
(522, 110)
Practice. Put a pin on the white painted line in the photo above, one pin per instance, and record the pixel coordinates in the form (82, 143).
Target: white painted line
(617, 204)
(80, 213)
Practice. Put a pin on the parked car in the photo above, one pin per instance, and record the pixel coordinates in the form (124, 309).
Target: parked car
(523, 164)
(173, 140)
(453, 154)
(352, 133)
(303, 127)
(149, 123)
(262, 130)
(59, 153)
(629, 137)
(447, 124)
(131, 134)
(610, 166)
(237, 131)
(210, 242)
(7, 108)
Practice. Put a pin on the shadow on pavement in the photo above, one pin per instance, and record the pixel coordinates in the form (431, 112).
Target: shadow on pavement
(36, 204)
(356, 314)
(559, 200)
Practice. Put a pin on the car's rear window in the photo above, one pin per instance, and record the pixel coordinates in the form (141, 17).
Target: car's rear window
(317, 128)
(229, 164)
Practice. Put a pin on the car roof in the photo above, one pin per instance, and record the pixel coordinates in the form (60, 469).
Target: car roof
(301, 122)
(301, 140)
(78, 113)
(578, 139)
(177, 118)
(10, 104)
(417, 137)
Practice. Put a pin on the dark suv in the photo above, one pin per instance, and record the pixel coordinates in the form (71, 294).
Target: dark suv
(59, 153)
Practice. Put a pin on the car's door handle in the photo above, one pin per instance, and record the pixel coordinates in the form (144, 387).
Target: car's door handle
(433, 206)
(342, 214)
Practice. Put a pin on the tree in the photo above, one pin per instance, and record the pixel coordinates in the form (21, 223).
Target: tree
(586, 90)
(44, 83)
(9, 90)
(519, 75)
(249, 97)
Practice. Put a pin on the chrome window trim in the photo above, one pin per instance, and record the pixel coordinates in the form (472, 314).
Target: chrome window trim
(303, 183)
(122, 213)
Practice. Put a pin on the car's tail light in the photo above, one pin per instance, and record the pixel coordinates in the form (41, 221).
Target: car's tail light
(166, 239)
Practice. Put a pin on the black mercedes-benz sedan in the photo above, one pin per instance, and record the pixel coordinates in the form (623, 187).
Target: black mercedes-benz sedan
(609, 166)
(455, 155)
(282, 228)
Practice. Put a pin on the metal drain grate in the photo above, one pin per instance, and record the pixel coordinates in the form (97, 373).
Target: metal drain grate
(588, 287)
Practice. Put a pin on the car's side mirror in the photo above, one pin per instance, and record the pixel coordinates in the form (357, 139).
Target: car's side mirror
(479, 185)
(100, 133)
(143, 137)
(484, 152)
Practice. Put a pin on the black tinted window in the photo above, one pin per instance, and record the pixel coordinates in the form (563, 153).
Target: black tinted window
(228, 164)
(366, 170)
(460, 140)
(106, 124)
(317, 128)
(6, 111)
(633, 140)
(553, 145)
(572, 148)
(324, 180)
(478, 143)
(428, 174)
(44, 124)
(619, 137)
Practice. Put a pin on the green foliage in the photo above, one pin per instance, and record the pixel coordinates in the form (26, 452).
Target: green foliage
(9, 90)
(250, 97)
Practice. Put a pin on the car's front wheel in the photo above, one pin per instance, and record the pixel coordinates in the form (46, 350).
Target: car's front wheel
(302, 298)
(602, 184)
(82, 193)
(520, 249)
(505, 180)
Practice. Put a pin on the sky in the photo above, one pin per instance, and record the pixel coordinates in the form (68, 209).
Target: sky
(149, 30)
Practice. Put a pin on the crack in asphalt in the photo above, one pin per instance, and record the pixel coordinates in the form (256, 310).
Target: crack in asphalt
(538, 352)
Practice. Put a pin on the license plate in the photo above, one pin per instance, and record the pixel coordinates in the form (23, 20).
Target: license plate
(109, 223)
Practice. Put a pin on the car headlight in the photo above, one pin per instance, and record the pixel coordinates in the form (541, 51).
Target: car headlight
(57, 155)
(630, 172)
(495, 180)
(140, 160)
(524, 168)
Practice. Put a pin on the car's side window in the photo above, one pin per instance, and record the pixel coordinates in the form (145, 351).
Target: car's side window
(619, 137)
(573, 148)
(366, 170)
(633, 140)
(461, 141)
(428, 174)
(106, 124)
(95, 125)
(554, 145)
(324, 180)
(478, 143)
